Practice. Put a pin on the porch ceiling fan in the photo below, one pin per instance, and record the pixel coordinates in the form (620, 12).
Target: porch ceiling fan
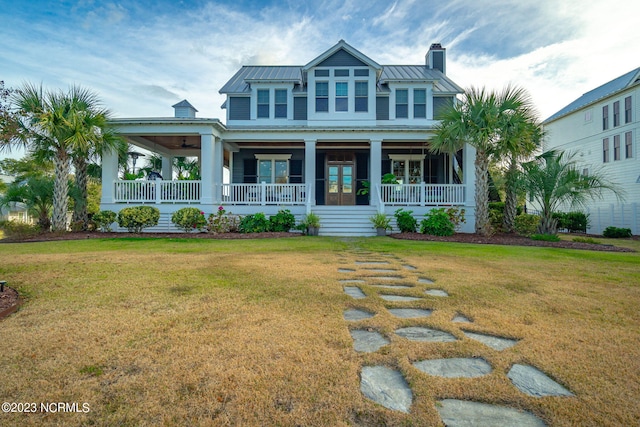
(185, 145)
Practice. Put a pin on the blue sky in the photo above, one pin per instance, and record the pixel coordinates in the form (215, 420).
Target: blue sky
(141, 57)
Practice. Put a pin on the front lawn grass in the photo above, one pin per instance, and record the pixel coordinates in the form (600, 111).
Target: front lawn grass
(250, 332)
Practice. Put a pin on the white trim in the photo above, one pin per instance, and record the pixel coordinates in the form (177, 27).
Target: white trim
(273, 156)
(407, 156)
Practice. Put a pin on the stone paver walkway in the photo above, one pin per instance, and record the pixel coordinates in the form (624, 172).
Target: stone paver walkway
(387, 386)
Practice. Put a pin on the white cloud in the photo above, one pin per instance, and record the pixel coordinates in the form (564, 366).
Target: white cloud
(141, 63)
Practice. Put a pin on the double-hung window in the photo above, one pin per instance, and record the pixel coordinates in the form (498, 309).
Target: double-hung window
(628, 146)
(616, 147)
(342, 96)
(322, 97)
(273, 169)
(280, 109)
(362, 96)
(605, 117)
(402, 103)
(407, 168)
(616, 113)
(263, 103)
(627, 109)
(605, 150)
(419, 104)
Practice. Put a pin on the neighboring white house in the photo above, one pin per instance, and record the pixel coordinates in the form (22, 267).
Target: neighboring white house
(307, 138)
(15, 211)
(603, 127)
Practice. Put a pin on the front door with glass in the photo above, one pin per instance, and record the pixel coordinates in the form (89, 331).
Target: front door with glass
(341, 179)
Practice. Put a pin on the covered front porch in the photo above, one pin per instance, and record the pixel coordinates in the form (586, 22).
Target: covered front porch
(250, 171)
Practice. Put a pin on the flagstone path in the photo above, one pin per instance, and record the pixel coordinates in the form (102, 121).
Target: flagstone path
(388, 387)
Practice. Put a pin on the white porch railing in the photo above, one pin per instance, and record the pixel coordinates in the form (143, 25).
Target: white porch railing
(157, 191)
(422, 194)
(264, 194)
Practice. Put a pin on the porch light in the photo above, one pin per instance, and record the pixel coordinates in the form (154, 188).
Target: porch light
(134, 156)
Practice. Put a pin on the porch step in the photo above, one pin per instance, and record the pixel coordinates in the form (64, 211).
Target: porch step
(345, 220)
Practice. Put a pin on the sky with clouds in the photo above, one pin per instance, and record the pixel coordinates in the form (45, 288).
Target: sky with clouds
(143, 56)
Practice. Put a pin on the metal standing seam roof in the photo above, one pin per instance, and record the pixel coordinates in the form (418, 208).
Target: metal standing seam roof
(598, 93)
(239, 83)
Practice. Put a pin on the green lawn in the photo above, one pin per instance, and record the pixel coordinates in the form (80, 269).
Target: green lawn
(250, 332)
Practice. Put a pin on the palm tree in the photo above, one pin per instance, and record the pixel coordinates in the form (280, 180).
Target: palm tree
(186, 168)
(473, 121)
(56, 125)
(92, 136)
(154, 164)
(43, 129)
(553, 180)
(36, 192)
(520, 135)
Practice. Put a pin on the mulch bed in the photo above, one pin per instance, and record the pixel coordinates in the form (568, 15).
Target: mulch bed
(496, 239)
(510, 239)
(9, 301)
(48, 237)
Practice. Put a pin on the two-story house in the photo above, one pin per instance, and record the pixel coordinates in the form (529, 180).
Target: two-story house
(603, 128)
(309, 138)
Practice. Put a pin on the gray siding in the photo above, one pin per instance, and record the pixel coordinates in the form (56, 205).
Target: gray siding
(300, 108)
(239, 108)
(382, 108)
(342, 59)
(438, 60)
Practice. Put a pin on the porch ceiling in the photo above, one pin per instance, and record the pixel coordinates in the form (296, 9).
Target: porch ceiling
(172, 145)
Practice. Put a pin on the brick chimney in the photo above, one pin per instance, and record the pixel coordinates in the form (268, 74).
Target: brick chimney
(436, 58)
(184, 110)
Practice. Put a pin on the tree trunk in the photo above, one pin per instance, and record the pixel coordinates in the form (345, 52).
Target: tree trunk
(511, 198)
(60, 192)
(80, 207)
(548, 224)
(482, 225)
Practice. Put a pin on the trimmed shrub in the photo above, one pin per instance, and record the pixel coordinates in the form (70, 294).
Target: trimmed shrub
(456, 216)
(576, 222)
(222, 222)
(616, 233)
(405, 220)
(137, 218)
(189, 219)
(526, 224)
(18, 230)
(586, 240)
(572, 221)
(104, 219)
(545, 237)
(437, 223)
(256, 223)
(283, 221)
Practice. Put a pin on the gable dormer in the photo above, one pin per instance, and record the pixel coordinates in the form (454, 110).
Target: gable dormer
(343, 55)
(341, 86)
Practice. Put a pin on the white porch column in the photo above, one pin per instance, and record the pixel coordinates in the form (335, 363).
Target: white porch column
(167, 168)
(218, 169)
(310, 167)
(375, 170)
(206, 172)
(109, 174)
